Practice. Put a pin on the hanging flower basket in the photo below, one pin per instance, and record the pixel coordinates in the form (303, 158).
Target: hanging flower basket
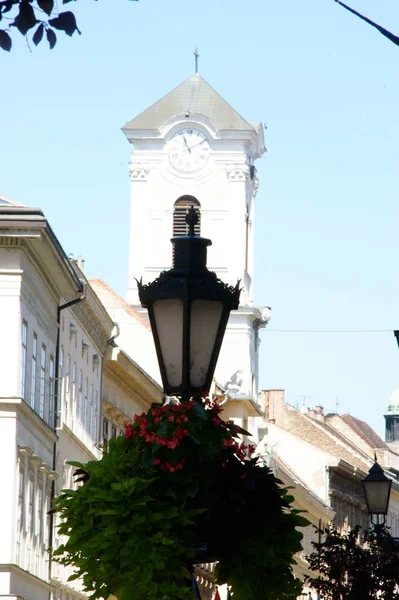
(179, 488)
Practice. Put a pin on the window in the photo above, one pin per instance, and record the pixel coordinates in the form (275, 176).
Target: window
(95, 421)
(39, 513)
(114, 432)
(48, 518)
(105, 433)
(86, 406)
(51, 393)
(30, 504)
(61, 374)
(91, 410)
(42, 396)
(34, 367)
(20, 515)
(68, 375)
(24, 354)
(80, 400)
(74, 371)
(181, 207)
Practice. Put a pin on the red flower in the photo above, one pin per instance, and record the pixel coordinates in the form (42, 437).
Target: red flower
(171, 418)
(156, 461)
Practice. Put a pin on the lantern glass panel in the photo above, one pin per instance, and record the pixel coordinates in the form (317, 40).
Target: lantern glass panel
(204, 326)
(168, 315)
(377, 496)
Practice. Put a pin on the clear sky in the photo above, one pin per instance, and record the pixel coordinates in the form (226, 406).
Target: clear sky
(327, 239)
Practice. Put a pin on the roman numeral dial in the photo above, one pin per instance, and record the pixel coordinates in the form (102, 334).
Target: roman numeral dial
(188, 149)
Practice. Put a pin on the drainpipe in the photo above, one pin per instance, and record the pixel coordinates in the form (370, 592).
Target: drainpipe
(60, 308)
(327, 485)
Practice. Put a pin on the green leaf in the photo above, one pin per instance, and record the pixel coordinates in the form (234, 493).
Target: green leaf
(26, 18)
(51, 38)
(5, 41)
(301, 521)
(199, 411)
(37, 36)
(46, 5)
(156, 517)
(65, 22)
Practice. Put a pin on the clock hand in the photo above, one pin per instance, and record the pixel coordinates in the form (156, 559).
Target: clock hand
(188, 148)
(195, 145)
(199, 144)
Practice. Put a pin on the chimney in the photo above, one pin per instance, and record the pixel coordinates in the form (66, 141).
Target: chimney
(272, 404)
(81, 263)
(316, 413)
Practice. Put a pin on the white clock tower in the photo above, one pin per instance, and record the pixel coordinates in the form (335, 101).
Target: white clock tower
(192, 148)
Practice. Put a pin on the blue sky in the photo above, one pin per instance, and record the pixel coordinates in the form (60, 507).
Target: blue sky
(325, 83)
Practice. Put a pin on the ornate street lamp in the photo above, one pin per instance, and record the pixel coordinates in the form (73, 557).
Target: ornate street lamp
(188, 307)
(377, 489)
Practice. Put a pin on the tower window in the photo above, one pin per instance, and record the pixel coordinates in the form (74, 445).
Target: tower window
(181, 207)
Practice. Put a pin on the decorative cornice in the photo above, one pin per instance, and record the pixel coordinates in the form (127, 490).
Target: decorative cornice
(87, 317)
(8, 241)
(25, 451)
(138, 172)
(36, 460)
(238, 173)
(115, 414)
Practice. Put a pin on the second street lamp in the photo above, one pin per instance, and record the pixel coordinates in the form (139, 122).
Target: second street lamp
(377, 489)
(188, 308)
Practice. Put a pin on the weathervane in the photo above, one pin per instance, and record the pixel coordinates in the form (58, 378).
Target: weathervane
(196, 59)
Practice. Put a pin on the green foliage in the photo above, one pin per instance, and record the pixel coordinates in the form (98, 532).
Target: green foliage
(353, 568)
(177, 489)
(26, 15)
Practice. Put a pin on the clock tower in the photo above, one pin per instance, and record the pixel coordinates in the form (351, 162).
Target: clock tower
(192, 148)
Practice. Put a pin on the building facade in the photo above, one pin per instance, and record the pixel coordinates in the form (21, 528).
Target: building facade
(36, 278)
(327, 457)
(66, 389)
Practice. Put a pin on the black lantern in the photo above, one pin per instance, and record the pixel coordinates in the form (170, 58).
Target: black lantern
(188, 308)
(377, 489)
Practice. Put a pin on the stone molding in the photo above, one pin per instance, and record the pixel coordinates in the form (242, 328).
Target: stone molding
(237, 173)
(138, 172)
(35, 460)
(88, 320)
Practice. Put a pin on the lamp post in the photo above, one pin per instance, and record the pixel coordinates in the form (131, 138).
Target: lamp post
(188, 308)
(377, 489)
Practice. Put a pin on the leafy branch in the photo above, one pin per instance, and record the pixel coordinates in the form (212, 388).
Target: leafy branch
(37, 17)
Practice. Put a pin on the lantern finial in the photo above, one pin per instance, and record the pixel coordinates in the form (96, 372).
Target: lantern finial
(191, 220)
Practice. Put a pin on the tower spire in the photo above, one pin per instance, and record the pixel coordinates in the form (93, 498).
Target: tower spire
(196, 59)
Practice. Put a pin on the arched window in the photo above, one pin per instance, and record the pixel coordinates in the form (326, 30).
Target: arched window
(181, 206)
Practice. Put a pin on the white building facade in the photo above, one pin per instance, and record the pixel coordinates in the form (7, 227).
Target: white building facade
(51, 322)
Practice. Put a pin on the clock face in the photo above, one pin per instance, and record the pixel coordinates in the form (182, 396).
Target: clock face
(188, 149)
